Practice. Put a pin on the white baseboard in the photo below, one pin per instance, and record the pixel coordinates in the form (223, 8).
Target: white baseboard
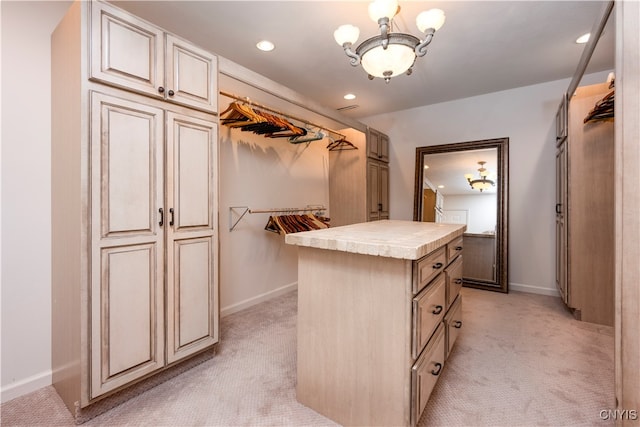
(234, 308)
(25, 386)
(534, 289)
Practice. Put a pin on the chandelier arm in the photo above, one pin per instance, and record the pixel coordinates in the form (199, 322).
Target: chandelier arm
(353, 56)
(383, 23)
(421, 48)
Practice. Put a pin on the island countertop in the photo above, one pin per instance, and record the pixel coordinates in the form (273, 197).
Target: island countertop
(387, 238)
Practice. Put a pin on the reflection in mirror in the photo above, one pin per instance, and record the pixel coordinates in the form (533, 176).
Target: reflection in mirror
(466, 183)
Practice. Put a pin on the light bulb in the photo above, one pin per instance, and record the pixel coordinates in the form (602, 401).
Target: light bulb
(382, 9)
(346, 34)
(433, 18)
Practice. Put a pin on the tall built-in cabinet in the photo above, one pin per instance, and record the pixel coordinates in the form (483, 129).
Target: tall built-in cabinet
(352, 171)
(134, 202)
(585, 207)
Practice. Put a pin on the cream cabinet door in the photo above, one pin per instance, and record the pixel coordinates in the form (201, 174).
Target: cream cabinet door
(126, 51)
(127, 298)
(192, 285)
(377, 190)
(191, 75)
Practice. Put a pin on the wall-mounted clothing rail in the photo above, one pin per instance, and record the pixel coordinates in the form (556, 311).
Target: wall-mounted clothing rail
(241, 211)
(289, 116)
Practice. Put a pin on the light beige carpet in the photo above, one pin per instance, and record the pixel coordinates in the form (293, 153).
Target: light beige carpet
(520, 359)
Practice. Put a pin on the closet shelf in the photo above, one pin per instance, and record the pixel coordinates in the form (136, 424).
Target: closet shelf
(241, 211)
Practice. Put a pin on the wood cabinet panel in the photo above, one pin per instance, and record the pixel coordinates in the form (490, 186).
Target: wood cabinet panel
(425, 373)
(133, 54)
(453, 324)
(428, 311)
(126, 51)
(428, 267)
(191, 75)
(453, 274)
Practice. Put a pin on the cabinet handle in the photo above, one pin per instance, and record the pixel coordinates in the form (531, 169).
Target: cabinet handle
(161, 223)
(437, 265)
(458, 248)
(558, 208)
(437, 310)
(161, 89)
(380, 207)
(171, 220)
(436, 371)
(458, 281)
(457, 324)
(171, 92)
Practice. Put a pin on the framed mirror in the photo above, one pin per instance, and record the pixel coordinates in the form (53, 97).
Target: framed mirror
(468, 183)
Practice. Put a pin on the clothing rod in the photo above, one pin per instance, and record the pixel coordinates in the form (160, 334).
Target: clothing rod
(264, 107)
(241, 211)
(283, 210)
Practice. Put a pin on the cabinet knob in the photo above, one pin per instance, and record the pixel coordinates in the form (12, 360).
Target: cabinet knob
(437, 265)
(457, 324)
(437, 310)
(171, 92)
(436, 371)
(161, 89)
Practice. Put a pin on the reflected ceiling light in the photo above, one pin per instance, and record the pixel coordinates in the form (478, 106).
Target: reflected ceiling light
(583, 38)
(388, 54)
(482, 183)
(265, 46)
(349, 96)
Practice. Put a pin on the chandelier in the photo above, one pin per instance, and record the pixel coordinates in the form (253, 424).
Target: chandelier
(388, 54)
(482, 183)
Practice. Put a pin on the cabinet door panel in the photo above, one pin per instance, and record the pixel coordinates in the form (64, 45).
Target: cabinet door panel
(126, 51)
(454, 280)
(190, 168)
(373, 191)
(127, 330)
(425, 373)
(192, 315)
(384, 191)
(127, 245)
(191, 75)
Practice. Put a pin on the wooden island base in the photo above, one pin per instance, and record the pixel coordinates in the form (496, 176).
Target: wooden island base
(375, 328)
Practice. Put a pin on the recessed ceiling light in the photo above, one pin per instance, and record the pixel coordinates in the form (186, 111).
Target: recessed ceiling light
(440, 186)
(583, 38)
(265, 46)
(349, 96)
(426, 166)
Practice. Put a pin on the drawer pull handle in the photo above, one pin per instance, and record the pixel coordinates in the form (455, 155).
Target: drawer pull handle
(437, 265)
(458, 281)
(161, 222)
(172, 216)
(436, 371)
(458, 248)
(437, 310)
(457, 324)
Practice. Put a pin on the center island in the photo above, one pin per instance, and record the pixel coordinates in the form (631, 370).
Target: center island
(378, 313)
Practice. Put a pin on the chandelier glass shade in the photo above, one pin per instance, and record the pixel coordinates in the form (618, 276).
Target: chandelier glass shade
(483, 182)
(388, 54)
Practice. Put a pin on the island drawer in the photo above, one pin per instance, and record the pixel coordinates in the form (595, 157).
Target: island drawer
(453, 323)
(454, 248)
(453, 274)
(428, 312)
(425, 373)
(428, 267)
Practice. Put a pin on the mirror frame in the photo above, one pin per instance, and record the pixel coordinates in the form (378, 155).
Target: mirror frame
(502, 230)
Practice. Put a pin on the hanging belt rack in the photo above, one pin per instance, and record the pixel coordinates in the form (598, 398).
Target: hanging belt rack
(241, 211)
(289, 116)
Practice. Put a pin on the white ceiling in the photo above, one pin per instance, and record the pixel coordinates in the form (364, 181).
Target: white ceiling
(484, 46)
